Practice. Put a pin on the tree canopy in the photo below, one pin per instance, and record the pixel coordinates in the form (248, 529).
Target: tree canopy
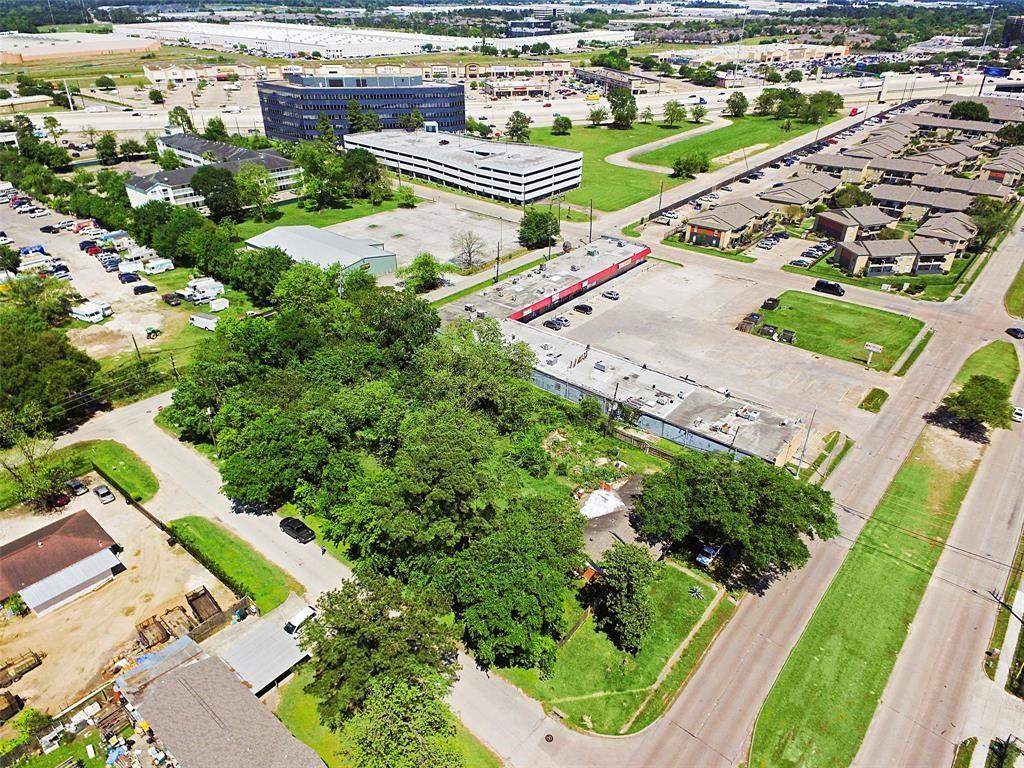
(982, 400)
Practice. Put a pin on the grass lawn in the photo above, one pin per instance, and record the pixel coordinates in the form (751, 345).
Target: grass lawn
(292, 214)
(74, 750)
(964, 752)
(744, 132)
(997, 359)
(593, 679)
(874, 400)
(675, 242)
(612, 187)
(839, 328)
(298, 712)
(233, 561)
(924, 287)
(117, 461)
(835, 675)
(1014, 299)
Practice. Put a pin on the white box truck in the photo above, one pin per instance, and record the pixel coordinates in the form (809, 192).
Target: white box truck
(204, 320)
(219, 305)
(90, 312)
(156, 266)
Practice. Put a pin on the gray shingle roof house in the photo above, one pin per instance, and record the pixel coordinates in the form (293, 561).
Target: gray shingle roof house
(940, 182)
(957, 229)
(855, 223)
(204, 716)
(804, 191)
(874, 258)
(728, 224)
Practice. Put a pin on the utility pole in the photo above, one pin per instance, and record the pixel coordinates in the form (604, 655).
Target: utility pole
(661, 191)
(174, 368)
(807, 437)
(137, 353)
(590, 238)
(71, 101)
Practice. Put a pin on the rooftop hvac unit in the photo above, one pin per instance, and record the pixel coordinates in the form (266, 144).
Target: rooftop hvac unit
(591, 251)
(600, 366)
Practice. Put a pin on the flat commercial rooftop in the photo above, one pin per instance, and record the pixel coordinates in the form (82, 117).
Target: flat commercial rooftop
(750, 428)
(464, 151)
(547, 282)
(20, 47)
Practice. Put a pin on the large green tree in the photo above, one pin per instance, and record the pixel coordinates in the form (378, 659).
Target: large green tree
(423, 274)
(737, 104)
(538, 228)
(219, 191)
(624, 608)
(983, 400)
(623, 106)
(759, 514)
(517, 128)
(372, 627)
(969, 110)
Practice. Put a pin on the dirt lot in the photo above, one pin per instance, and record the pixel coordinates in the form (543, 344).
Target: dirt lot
(82, 638)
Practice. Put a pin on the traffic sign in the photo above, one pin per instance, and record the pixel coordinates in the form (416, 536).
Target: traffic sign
(872, 349)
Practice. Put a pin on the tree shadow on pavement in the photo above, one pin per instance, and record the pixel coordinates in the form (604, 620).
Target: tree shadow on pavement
(974, 431)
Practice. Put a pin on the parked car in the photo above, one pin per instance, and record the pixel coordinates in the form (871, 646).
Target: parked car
(295, 622)
(1018, 414)
(827, 286)
(584, 309)
(613, 295)
(800, 263)
(171, 299)
(563, 321)
(139, 290)
(57, 500)
(297, 529)
(552, 325)
(128, 277)
(1017, 333)
(104, 493)
(77, 487)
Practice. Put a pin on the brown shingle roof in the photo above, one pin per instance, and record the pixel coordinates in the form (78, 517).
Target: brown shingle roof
(49, 550)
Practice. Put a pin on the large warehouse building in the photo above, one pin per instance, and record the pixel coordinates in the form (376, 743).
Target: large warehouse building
(295, 40)
(292, 108)
(513, 173)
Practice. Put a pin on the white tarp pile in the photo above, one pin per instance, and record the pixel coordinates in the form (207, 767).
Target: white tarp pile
(601, 503)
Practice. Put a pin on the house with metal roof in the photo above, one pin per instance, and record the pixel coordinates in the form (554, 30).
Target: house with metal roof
(858, 223)
(326, 249)
(878, 258)
(803, 191)
(58, 562)
(730, 225)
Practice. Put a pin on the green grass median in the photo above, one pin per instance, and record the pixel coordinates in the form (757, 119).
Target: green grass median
(234, 562)
(823, 700)
(840, 328)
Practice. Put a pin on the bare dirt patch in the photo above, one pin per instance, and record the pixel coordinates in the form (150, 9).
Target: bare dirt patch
(948, 451)
(82, 638)
(114, 337)
(739, 154)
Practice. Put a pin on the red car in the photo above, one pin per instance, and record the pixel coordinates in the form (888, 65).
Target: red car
(93, 250)
(548, 104)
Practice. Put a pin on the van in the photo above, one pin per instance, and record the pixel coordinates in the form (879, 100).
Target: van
(826, 286)
(295, 622)
(204, 320)
(104, 305)
(89, 312)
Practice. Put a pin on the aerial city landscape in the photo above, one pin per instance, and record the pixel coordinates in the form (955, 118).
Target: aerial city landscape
(539, 385)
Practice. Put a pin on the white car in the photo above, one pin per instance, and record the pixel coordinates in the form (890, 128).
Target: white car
(1018, 414)
(38, 214)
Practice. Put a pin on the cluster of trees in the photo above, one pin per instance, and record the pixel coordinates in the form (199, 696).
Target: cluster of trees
(675, 112)
(690, 164)
(517, 127)
(27, 85)
(789, 103)
(758, 514)
(982, 401)
(538, 228)
(479, 127)
(969, 110)
(613, 59)
(702, 75)
(989, 216)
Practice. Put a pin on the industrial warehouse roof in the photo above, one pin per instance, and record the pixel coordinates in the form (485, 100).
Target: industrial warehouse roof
(205, 717)
(50, 550)
(319, 246)
(465, 152)
(861, 215)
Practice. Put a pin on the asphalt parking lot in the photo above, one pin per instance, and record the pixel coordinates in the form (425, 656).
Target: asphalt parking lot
(682, 320)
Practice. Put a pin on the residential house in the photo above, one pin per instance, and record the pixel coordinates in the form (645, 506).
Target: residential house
(951, 158)
(805, 192)
(955, 229)
(849, 170)
(1000, 110)
(881, 146)
(862, 222)
(878, 258)
(730, 225)
(909, 202)
(896, 170)
(938, 182)
(1007, 168)
(970, 129)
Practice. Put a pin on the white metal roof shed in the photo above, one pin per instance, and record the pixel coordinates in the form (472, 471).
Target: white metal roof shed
(65, 585)
(263, 655)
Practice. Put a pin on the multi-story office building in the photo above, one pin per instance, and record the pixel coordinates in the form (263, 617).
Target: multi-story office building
(515, 173)
(174, 187)
(1013, 30)
(292, 108)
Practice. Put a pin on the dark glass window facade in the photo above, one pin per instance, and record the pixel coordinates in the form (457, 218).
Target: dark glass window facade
(291, 109)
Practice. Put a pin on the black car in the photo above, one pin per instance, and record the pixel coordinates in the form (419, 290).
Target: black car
(49, 229)
(584, 309)
(297, 529)
(827, 286)
(77, 487)
(171, 299)
(128, 277)
(138, 290)
(1017, 333)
